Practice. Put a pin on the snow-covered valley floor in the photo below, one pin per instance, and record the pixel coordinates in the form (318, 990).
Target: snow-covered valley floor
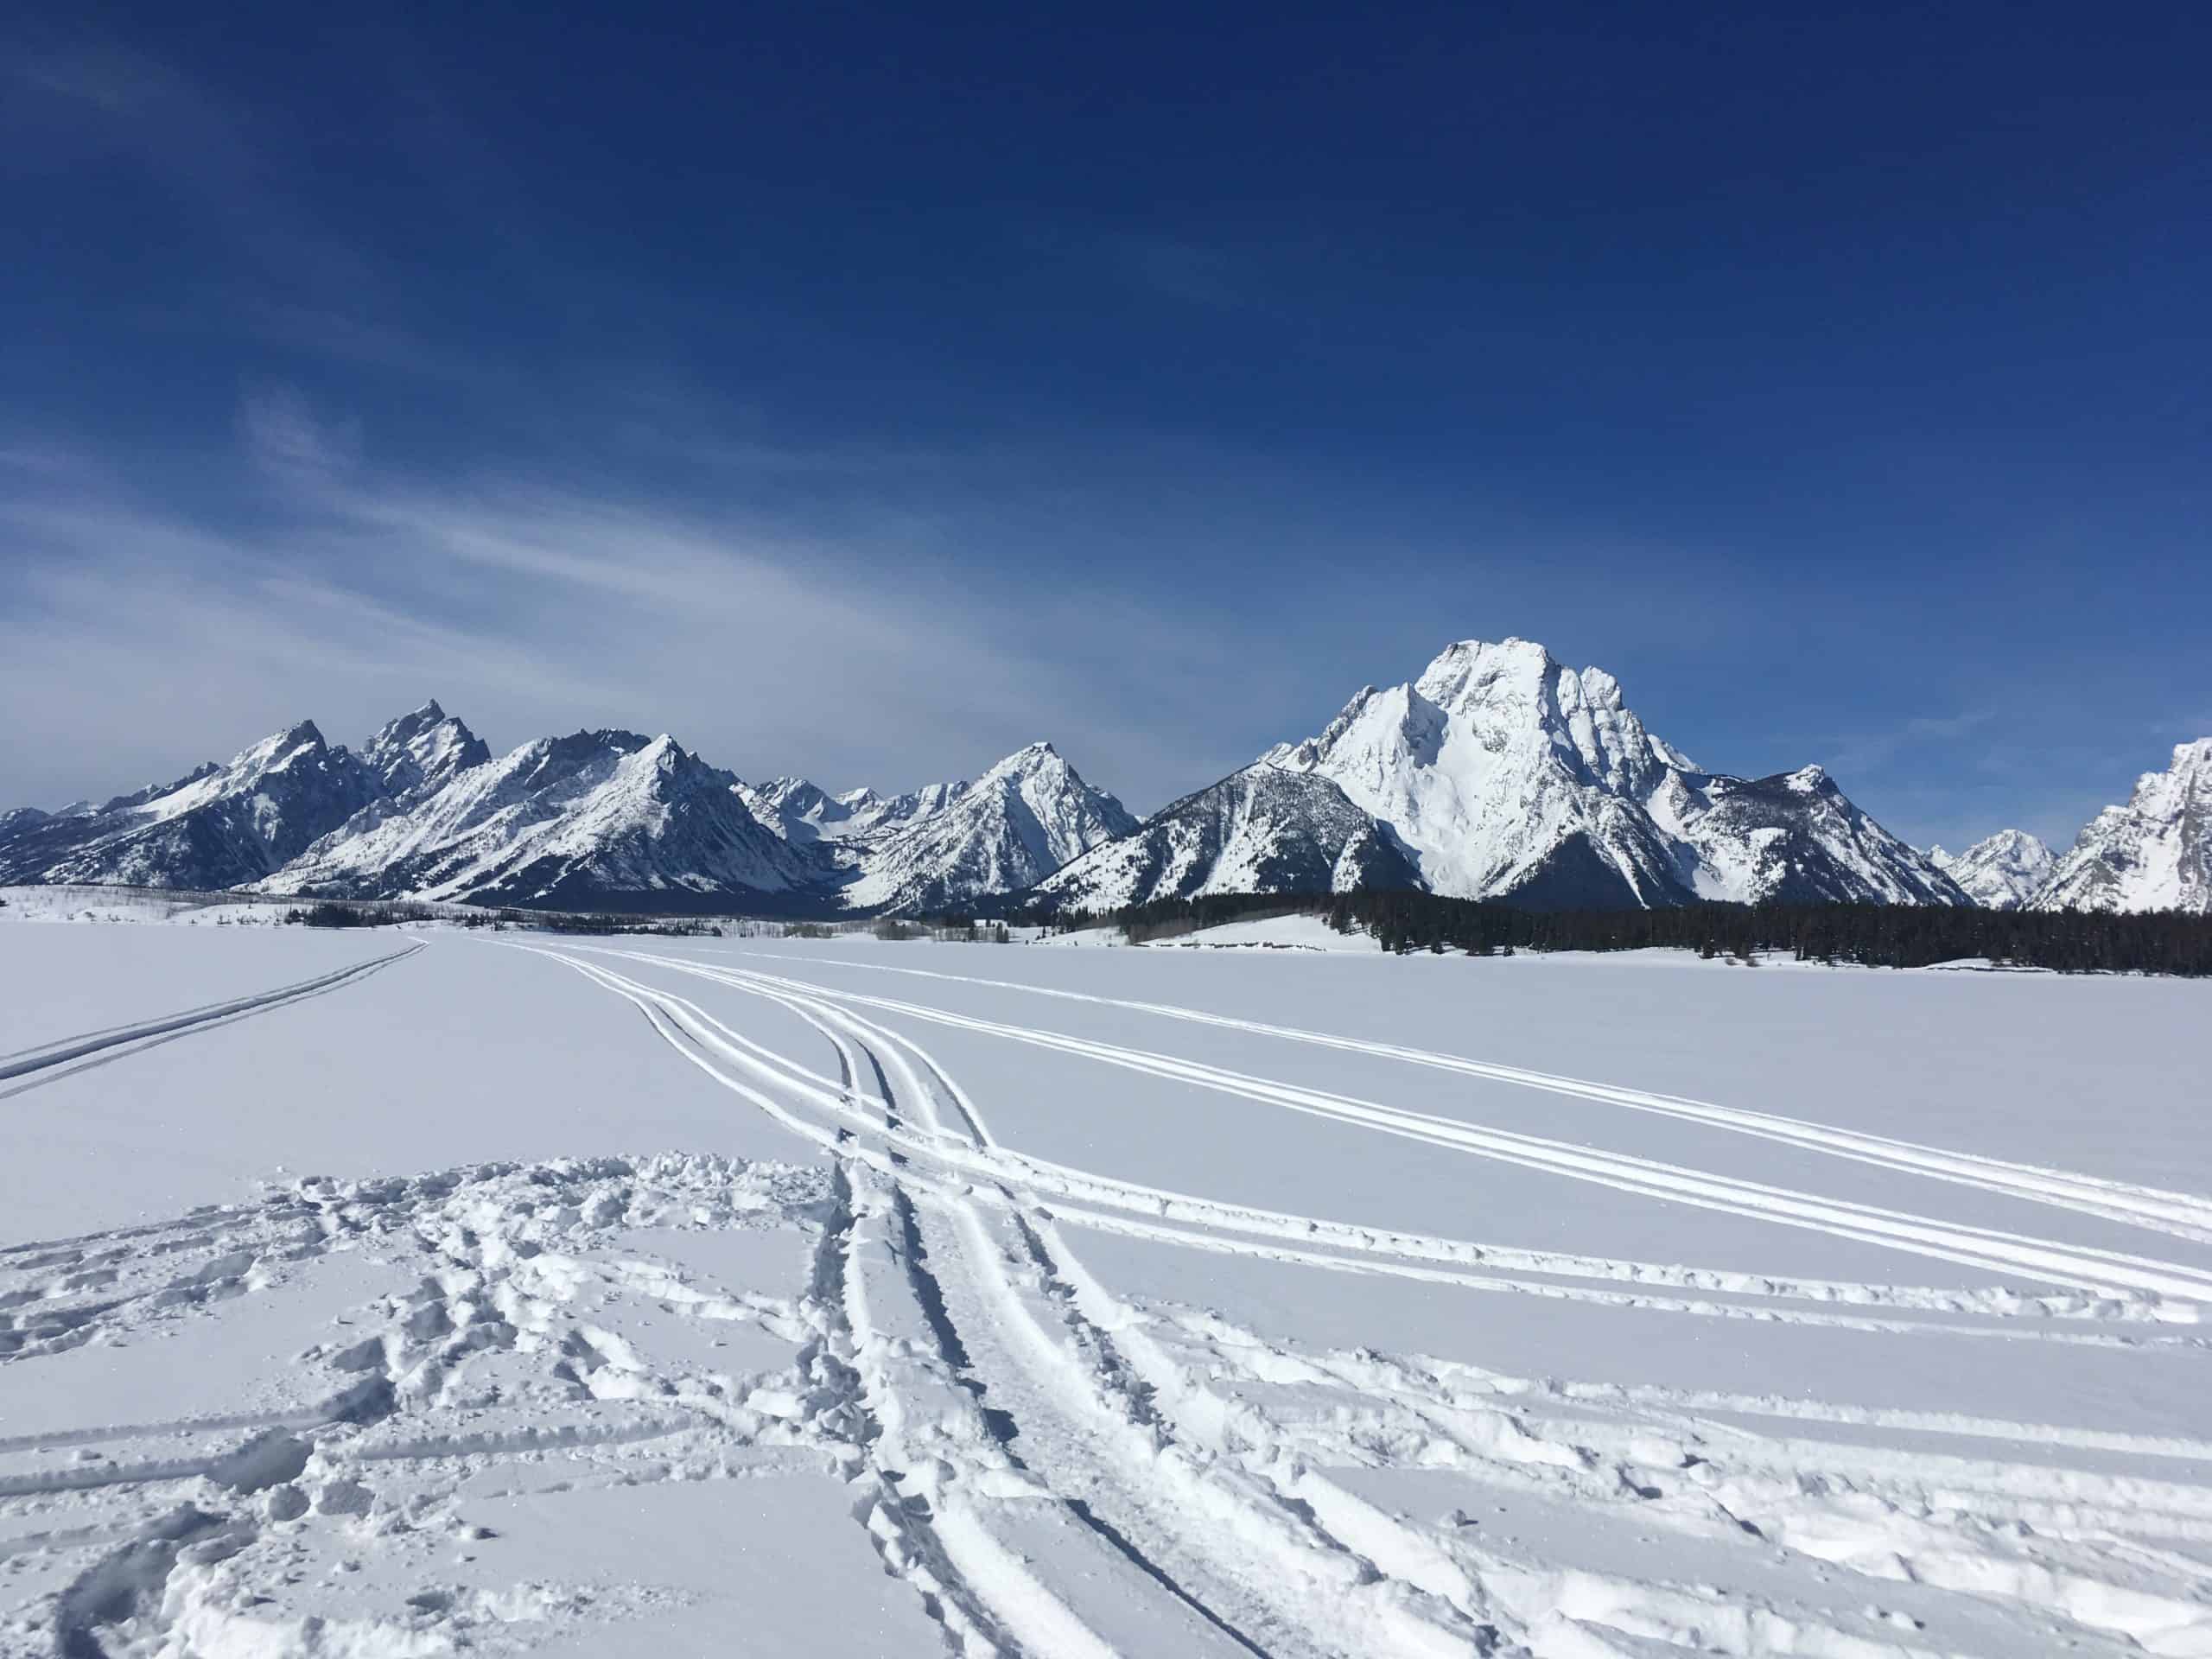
(420, 1292)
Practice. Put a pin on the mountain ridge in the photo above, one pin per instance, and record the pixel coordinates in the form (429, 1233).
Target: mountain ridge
(1496, 772)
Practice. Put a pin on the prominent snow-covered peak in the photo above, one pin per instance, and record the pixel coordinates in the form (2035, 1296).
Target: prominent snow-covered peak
(953, 843)
(422, 750)
(1038, 757)
(1509, 774)
(2000, 872)
(1476, 668)
(2155, 853)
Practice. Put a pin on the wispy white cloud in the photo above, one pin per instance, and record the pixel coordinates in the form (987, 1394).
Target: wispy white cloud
(286, 437)
(529, 609)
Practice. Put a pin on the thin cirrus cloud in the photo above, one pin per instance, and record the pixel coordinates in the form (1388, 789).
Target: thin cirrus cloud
(284, 436)
(527, 608)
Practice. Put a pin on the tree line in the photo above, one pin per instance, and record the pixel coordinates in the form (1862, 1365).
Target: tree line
(1875, 935)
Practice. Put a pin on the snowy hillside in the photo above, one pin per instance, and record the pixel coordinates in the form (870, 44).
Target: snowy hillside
(1263, 830)
(1510, 776)
(2155, 853)
(2002, 872)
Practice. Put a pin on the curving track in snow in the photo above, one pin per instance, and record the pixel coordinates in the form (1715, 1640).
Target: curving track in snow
(2183, 1215)
(2162, 1288)
(1174, 1475)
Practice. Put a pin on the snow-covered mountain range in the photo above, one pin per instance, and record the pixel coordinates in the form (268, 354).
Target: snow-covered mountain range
(218, 826)
(1497, 773)
(606, 819)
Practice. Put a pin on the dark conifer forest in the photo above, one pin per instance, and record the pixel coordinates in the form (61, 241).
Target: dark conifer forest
(1875, 935)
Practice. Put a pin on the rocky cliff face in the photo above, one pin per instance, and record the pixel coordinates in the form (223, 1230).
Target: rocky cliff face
(2155, 853)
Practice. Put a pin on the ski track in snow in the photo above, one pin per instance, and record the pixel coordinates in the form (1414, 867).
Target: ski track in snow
(2184, 1215)
(1050, 1467)
(2167, 1289)
(43, 1061)
(1858, 1506)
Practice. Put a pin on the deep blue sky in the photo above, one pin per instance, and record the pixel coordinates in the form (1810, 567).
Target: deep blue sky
(863, 391)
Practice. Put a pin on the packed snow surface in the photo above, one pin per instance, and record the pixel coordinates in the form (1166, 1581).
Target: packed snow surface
(416, 1291)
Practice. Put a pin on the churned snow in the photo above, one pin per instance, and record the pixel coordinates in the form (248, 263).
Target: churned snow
(416, 1291)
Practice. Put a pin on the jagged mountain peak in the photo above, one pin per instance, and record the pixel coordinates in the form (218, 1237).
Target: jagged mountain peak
(954, 844)
(1262, 829)
(1507, 774)
(2000, 872)
(1476, 667)
(2154, 853)
(1033, 760)
(303, 734)
(422, 750)
(801, 812)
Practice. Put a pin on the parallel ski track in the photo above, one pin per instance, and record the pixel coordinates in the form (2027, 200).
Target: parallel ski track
(47, 1055)
(2175, 1289)
(1205, 1223)
(1254, 1566)
(1227, 1489)
(2184, 1215)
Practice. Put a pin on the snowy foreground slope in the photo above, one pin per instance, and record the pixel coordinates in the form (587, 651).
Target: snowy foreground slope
(419, 1291)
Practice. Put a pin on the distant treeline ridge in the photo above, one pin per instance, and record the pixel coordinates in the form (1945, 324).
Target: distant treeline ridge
(1878, 936)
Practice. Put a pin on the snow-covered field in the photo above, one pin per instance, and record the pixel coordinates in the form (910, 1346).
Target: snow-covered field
(405, 1292)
